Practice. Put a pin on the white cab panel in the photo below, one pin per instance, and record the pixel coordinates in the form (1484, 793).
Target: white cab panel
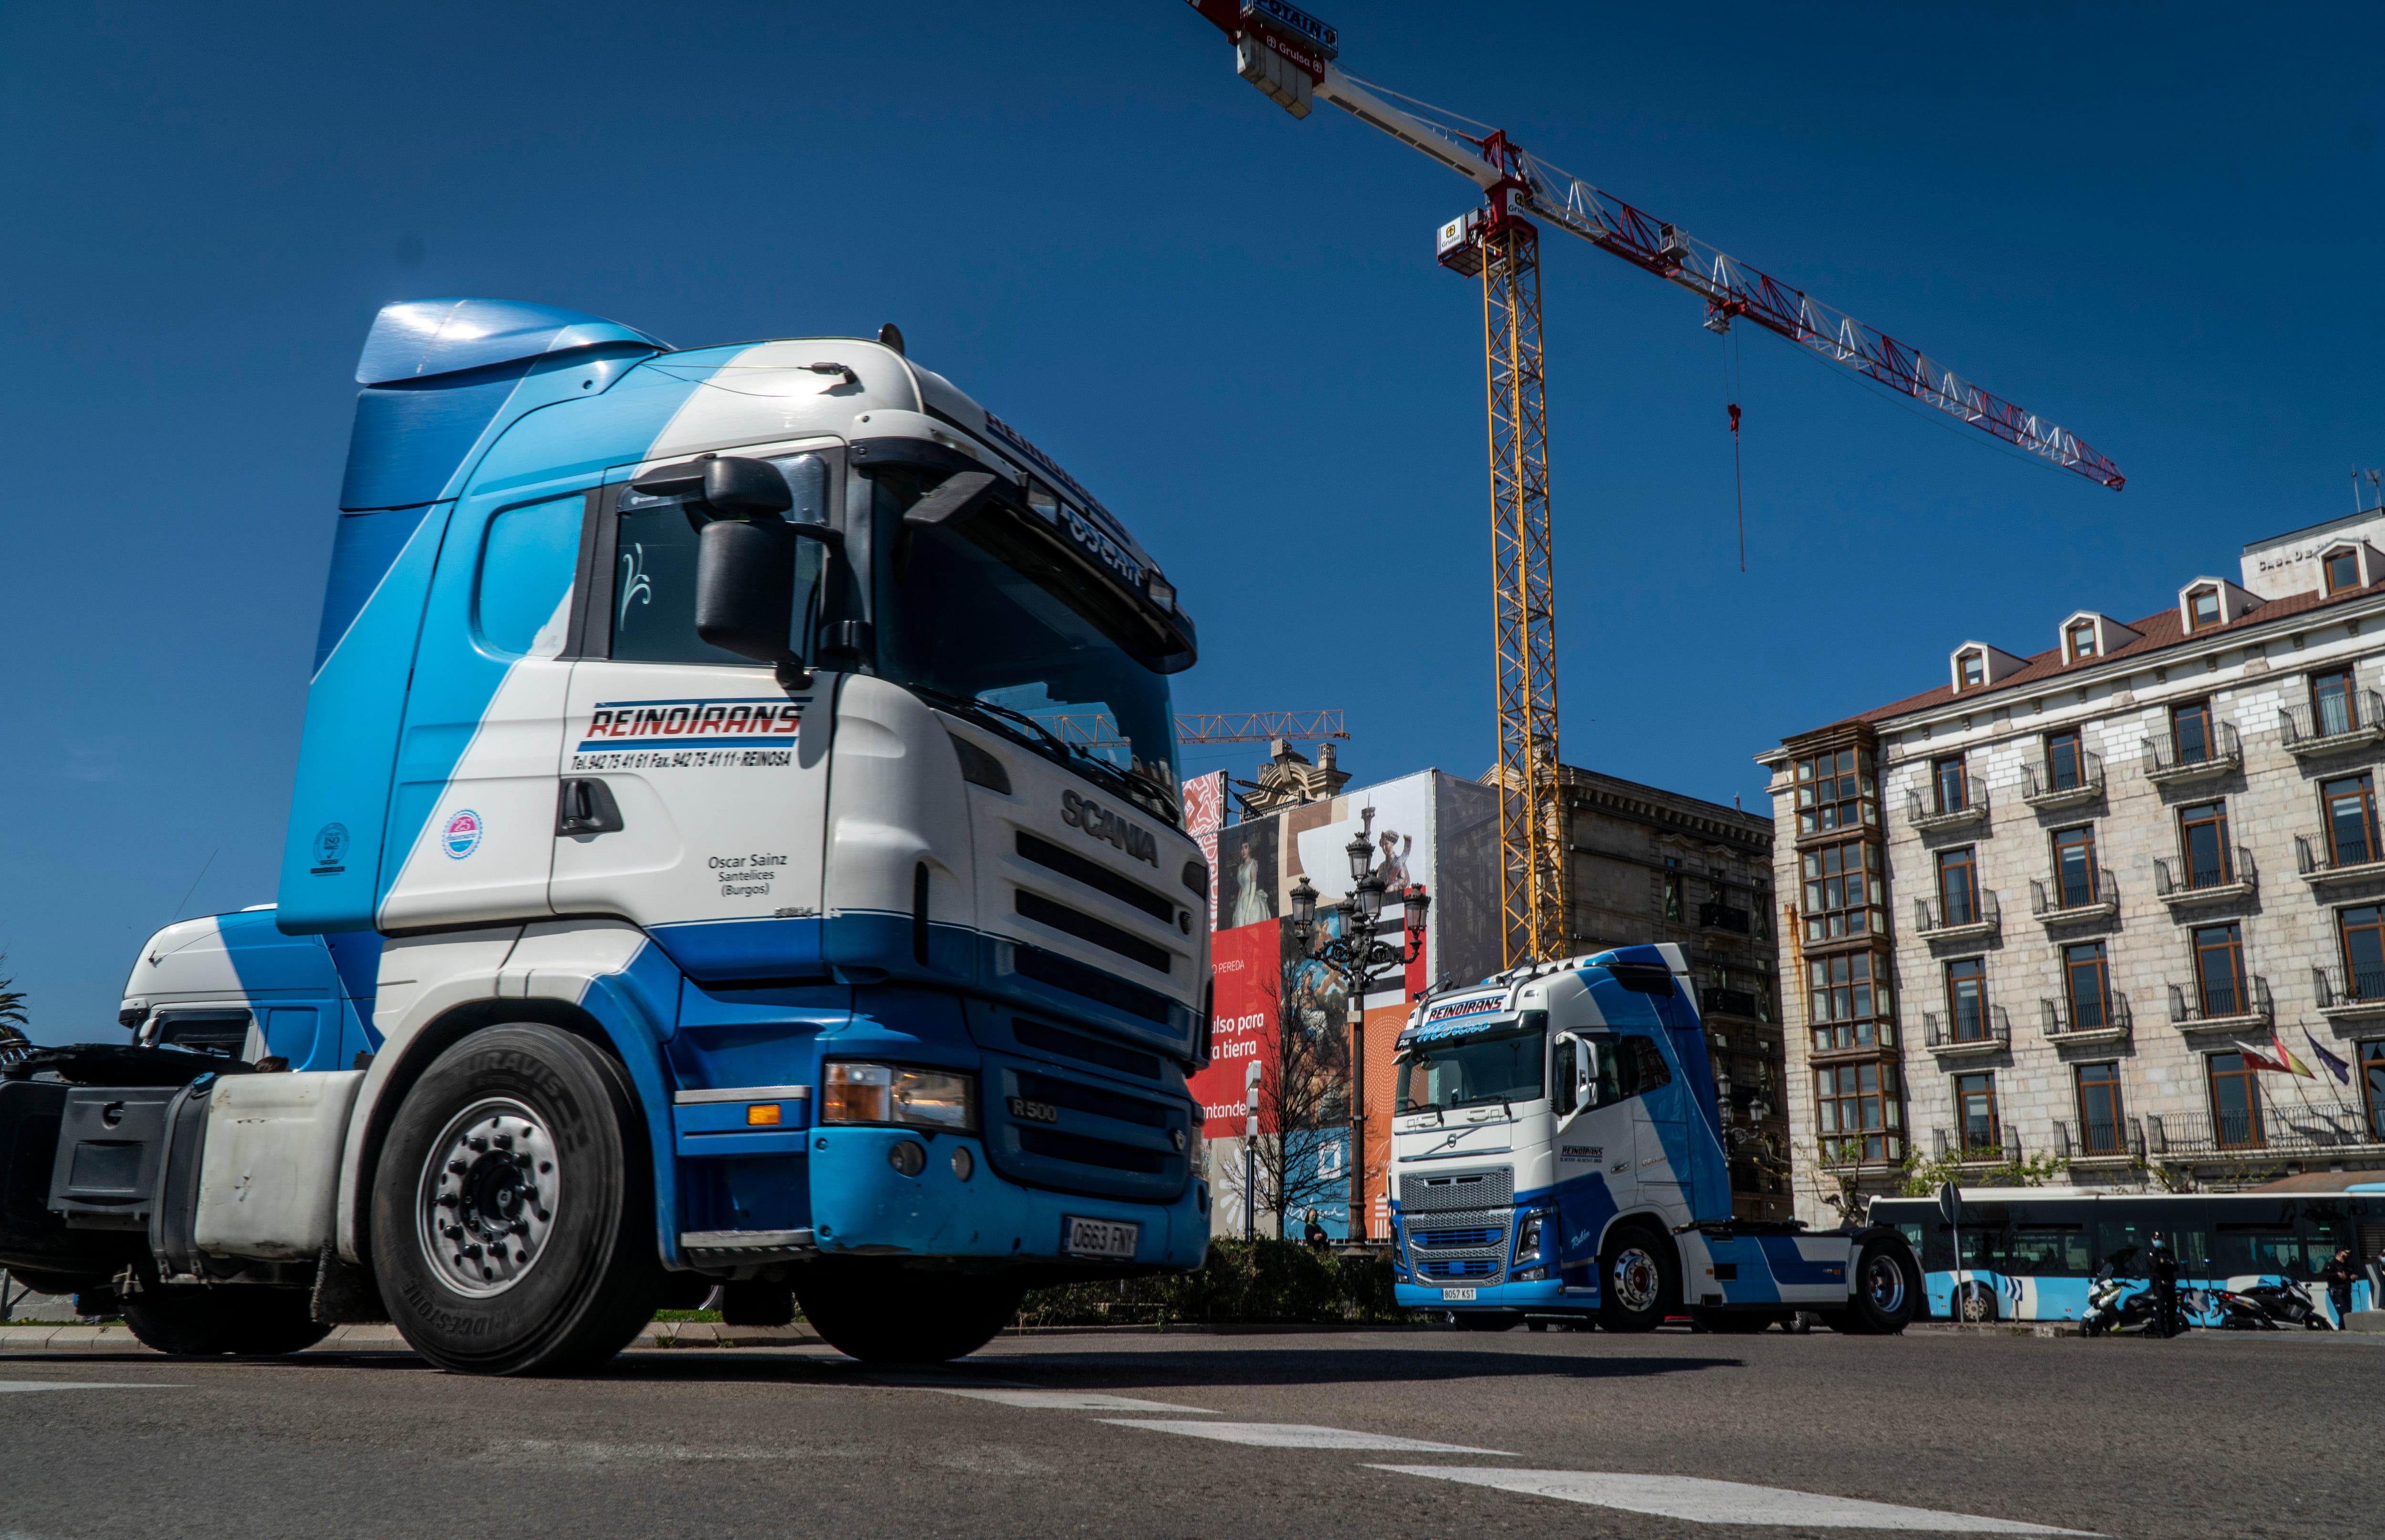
(485, 850)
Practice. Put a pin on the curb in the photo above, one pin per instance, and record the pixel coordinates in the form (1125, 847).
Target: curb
(2012, 1328)
(662, 1334)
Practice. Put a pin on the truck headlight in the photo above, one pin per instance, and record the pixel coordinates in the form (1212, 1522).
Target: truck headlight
(899, 1094)
(1528, 1237)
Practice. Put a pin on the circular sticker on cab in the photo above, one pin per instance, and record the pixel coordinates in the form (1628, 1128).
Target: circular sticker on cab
(462, 834)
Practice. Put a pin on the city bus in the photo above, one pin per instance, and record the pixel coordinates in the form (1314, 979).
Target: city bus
(2028, 1253)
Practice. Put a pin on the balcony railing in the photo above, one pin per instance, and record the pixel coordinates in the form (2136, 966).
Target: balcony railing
(2181, 881)
(2281, 1127)
(1722, 916)
(2041, 788)
(2166, 761)
(2005, 1151)
(2338, 722)
(2087, 1021)
(2068, 902)
(1938, 920)
(2319, 865)
(2099, 1141)
(2221, 1007)
(1923, 813)
(2349, 992)
(1966, 1031)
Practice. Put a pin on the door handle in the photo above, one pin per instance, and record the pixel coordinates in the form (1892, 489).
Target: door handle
(586, 807)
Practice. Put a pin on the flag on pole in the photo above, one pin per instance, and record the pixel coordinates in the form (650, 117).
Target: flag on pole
(2342, 1071)
(2257, 1058)
(2285, 1056)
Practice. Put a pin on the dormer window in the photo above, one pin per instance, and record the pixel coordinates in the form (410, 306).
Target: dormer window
(2082, 638)
(1974, 669)
(2342, 569)
(2202, 608)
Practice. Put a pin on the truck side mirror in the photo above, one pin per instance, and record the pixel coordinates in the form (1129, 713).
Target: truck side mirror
(744, 589)
(1585, 1074)
(736, 488)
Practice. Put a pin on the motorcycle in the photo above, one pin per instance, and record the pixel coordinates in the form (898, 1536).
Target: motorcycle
(2113, 1310)
(2270, 1308)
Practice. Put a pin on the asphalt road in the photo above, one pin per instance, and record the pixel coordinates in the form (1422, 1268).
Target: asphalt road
(1100, 1436)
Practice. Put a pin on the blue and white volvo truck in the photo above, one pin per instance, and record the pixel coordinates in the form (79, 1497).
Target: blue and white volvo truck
(681, 886)
(1557, 1155)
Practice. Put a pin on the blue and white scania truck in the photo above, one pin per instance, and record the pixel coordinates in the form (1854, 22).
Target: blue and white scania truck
(1557, 1155)
(679, 890)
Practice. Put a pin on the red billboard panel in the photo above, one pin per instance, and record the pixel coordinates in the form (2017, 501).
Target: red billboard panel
(1247, 962)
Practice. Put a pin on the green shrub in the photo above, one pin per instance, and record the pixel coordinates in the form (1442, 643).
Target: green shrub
(1257, 1282)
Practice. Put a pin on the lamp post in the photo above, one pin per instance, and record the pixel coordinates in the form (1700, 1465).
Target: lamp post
(1358, 959)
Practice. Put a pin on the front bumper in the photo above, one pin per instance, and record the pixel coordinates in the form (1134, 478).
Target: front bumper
(861, 1205)
(1548, 1293)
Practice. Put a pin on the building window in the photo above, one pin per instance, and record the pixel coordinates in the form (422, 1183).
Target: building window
(2235, 1101)
(1858, 1102)
(2065, 761)
(1953, 786)
(2372, 1078)
(1958, 887)
(1842, 889)
(2363, 933)
(2334, 711)
(1672, 889)
(2219, 970)
(2101, 1131)
(1975, 1108)
(2202, 608)
(1836, 791)
(1974, 667)
(2074, 865)
(2082, 640)
(2190, 731)
(2087, 985)
(1850, 1002)
(2202, 845)
(2351, 805)
(2342, 570)
(1966, 998)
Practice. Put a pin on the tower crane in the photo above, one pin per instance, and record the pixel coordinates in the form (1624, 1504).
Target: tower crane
(1290, 57)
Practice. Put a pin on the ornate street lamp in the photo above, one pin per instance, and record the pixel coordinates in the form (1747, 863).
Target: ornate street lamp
(1359, 960)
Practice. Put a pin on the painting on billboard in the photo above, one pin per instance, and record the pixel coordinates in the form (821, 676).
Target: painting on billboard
(1204, 818)
(1249, 873)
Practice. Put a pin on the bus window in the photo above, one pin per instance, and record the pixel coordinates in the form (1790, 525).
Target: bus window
(2049, 1251)
(2264, 1247)
(1912, 1231)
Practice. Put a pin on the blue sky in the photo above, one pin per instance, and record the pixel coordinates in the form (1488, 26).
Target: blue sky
(2157, 226)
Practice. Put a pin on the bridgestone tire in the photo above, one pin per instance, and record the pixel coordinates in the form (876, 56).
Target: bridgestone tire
(194, 1320)
(1639, 1279)
(882, 1313)
(594, 1279)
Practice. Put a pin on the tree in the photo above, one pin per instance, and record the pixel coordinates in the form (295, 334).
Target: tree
(13, 1021)
(1304, 1089)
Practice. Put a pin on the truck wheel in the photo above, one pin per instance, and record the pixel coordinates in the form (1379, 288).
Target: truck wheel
(194, 1321)
(1639, 1279)
(881, 1314)
(513, 1206)
(1888, 1291)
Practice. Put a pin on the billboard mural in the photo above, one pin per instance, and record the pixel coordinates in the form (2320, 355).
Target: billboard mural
(1204, 815)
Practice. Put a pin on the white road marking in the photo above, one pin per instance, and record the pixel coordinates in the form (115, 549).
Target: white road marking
(1068, 1400)
(80, 1385)
(1701, 1501)
(1297, 1435)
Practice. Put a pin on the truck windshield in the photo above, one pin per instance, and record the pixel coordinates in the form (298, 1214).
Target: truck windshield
(969, 627)
(1501, 1066)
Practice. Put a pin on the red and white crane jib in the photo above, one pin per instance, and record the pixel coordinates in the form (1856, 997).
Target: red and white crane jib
(1289, 56)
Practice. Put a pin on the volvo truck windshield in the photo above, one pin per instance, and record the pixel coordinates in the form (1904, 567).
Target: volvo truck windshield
(1501, 1063)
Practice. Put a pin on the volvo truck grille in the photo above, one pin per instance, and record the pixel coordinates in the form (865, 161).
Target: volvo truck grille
(1428, 1192)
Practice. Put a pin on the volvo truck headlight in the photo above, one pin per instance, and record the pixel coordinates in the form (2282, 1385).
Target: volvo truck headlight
(899, 1094)
(1528, 1237)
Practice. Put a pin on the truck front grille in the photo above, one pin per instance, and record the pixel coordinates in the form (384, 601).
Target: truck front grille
(1455, 1224)
(1430, 1192)
(1050, 1127)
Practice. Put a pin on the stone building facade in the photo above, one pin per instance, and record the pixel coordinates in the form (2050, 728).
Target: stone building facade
(2073, 905)
(1649, 865)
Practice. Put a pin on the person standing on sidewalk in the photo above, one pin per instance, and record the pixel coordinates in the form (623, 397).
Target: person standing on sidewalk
(2338, 1276)
(2161, 1268)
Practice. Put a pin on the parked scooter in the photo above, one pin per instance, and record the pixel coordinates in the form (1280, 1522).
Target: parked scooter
(2270, 1308)
(2112, 1309)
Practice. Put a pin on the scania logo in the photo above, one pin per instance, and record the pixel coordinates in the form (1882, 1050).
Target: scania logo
(1082, 812)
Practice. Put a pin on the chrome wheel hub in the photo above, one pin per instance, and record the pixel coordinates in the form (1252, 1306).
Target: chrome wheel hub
(1637, 1281)
(488, 1197)
(1883, 1281)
